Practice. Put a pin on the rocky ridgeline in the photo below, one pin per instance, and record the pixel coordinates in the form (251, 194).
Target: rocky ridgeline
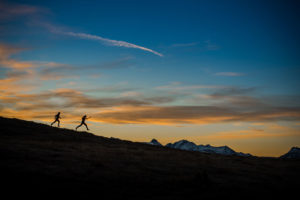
(190, 146)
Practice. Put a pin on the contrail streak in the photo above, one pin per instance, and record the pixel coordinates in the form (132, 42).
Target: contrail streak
(101, 39)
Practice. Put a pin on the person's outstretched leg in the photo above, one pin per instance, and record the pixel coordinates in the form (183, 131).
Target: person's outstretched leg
(87, 128)
(78, 126)
(53, 122)
(58, 123)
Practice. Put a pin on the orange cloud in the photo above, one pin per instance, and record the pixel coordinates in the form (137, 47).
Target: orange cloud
(6, 51)
(194, 115)
(140, 110)
(23, 76)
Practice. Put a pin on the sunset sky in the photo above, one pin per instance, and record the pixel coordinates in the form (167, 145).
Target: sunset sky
(211, 72)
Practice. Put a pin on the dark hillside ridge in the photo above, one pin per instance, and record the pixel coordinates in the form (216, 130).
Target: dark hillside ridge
(40, 161)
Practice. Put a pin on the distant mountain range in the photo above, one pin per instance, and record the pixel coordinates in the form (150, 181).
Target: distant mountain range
(294, 153)
(190, 146)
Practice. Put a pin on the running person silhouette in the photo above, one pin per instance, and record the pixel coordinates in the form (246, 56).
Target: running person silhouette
(83, 122)
(57, 117)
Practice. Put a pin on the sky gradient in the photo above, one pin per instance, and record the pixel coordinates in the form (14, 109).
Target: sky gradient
(212, 72)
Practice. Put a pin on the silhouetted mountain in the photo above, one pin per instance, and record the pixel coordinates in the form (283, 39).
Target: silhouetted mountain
(190, 146)
(294, 153)
(155, 142)
(40, 161)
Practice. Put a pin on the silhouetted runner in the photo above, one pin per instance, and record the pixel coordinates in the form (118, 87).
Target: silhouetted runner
(57, 117)
(83, 122)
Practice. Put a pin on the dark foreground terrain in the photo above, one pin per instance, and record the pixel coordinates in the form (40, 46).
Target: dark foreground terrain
(40, 161)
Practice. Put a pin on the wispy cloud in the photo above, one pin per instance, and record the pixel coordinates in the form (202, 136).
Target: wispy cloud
(12, 10)
(22, 76)
(6, 51)
(65, 98)
(103, 40)
(179, 86)
(185, 44)
(233, 91)
(7, 60)
(229, 74)
(58, 71)
(18, 76)
(169, 115)
(211, 46)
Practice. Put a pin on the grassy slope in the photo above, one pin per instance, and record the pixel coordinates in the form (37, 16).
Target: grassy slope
(37, 159)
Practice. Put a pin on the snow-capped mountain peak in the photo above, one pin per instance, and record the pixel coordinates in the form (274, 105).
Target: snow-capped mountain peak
(184, 145)
(293, 153)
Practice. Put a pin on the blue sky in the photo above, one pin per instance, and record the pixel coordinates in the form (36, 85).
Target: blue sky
(202, 38)
(237, 55)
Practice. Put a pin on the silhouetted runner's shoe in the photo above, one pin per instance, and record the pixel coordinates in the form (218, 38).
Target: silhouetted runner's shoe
(83, 122)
